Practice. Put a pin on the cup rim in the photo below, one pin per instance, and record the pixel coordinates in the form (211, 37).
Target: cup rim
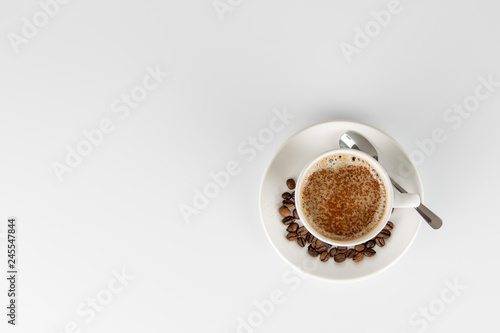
(389, 205)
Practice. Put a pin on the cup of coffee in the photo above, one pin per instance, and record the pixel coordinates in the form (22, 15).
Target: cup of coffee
(344, 197)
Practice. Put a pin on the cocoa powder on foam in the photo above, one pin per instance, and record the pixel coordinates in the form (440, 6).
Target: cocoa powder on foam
(343, 197)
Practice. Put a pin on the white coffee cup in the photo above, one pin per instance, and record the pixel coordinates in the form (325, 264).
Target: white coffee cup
(394, 198)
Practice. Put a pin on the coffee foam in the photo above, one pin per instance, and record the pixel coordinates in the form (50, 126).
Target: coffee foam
(339, 198)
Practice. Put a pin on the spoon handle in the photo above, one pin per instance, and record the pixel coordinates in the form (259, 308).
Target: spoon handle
(432, 219)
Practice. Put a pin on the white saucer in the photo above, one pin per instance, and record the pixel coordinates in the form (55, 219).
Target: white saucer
(289, 160)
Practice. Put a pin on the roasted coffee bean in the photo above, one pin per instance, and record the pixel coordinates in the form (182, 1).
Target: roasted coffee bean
(292, 227)
(291, 236)
(341, 249)
(389, 226)
(358, 257)
(295, 214)
(350, 253)
(293, 195)
(333, 251)
(287, 220)
(340, 257)
(370, 244)
(286, 196)
(287, 203)
(284, 211)
(309, 238)
(380, 241)
(322, 249)
(312, 252)
(324, 256)
(369, 252)
(392, 211)
(301, 241)
(290, 183)
(384, 234)
(302, 231)
(316, 243)
(360, 247)
(325, 245)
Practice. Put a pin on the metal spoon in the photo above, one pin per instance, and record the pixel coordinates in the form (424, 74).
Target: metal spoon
(355, 140)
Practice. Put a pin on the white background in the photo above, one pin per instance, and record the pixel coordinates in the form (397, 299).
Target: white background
(119, 209)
